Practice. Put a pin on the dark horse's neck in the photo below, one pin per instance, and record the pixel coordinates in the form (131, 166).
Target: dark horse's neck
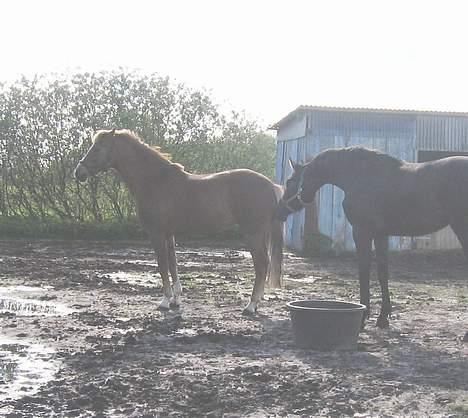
(344, 167)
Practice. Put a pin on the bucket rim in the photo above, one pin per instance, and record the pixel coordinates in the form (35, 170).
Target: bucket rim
(351, 306)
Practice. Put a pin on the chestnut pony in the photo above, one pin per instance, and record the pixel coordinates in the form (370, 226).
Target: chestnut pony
(170, 200)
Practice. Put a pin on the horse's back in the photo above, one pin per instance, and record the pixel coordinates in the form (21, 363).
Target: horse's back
(424, 197)
(447, 174)
(239, 196)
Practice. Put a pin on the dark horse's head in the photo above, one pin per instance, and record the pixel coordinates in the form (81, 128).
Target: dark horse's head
(98, 158)
(300, 189)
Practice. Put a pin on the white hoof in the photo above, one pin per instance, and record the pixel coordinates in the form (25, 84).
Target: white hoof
(250, 309)
(165, 304)
(177, 289)
(175, 301)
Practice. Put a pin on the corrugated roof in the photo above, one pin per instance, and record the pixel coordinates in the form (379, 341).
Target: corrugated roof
(277, 125)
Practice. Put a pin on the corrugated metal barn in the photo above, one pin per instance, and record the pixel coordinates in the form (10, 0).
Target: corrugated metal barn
(412, 136)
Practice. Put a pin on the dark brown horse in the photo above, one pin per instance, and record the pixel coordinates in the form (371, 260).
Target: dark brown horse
(384, 196)
(170, 200)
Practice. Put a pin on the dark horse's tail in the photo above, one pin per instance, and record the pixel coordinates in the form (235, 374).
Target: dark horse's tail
(276, 253)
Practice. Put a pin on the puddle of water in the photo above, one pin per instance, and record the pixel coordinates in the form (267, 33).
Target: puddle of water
(24, 289)
(217, 255)
(31, 307)
(186, 332)
(12, 300)
(245, 254)
(192, 264)
(138, 279)
(309, 279)
(24, 368)
(142, 263)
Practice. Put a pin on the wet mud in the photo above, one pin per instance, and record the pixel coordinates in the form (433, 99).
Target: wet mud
(81, 336)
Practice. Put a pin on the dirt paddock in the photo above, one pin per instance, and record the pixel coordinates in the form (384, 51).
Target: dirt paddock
(82, 337)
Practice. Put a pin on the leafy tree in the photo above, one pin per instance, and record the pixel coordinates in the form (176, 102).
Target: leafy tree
(46, 124)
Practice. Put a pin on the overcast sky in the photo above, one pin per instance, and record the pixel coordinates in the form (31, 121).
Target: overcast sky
(266, 57)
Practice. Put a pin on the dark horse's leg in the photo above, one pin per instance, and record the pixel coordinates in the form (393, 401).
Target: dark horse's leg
(160, 246)
(381, 252)
(461, 231)
(176, 285)
(362, 239)
(259, 250)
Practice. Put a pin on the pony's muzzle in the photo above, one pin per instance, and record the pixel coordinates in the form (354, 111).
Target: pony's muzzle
(81, 172)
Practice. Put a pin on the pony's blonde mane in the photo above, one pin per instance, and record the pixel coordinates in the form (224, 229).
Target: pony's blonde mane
(136, 140)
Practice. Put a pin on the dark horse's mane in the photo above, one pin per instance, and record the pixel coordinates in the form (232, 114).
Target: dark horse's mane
(363, 154)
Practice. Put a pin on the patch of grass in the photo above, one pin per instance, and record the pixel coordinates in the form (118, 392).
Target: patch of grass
(109, 230)
(462, 298)
(317, 245)
(16, 228)
(460, 408)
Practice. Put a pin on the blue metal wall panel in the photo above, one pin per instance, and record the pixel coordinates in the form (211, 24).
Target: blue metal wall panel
(339, 225)
(295, 150)
(298, 218)
(290, 152)
(325, 195)
(442, 133)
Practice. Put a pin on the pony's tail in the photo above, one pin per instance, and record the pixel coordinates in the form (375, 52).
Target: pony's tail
(276, 254)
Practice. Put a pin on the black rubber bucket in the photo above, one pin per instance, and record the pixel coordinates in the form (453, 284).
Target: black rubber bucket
(326, 324)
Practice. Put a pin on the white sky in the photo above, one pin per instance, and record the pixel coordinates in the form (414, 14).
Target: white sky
(266, 57)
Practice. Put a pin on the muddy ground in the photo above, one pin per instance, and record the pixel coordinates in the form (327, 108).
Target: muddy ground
(116, 355)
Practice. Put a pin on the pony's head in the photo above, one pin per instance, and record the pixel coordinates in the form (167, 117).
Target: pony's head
(300, 190)
(99, 157)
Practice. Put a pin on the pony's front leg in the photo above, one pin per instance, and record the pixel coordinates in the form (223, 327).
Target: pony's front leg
(176, 285)
(363, 241)
(381, 252)
(160, 246)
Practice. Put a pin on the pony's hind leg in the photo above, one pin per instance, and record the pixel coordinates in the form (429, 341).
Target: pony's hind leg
(160, 246)
(176, 285)
(381, 252)
(259, 251)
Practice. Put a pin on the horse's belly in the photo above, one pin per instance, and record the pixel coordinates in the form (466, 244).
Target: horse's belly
(203, 221)
(416, 224)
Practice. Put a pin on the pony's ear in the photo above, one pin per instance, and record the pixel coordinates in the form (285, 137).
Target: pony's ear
(293, 165)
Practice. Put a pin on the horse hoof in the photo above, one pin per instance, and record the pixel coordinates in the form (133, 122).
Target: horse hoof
(465, 338)
(174, 306)
(163, 308)
(382, 322)
(248, 312)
